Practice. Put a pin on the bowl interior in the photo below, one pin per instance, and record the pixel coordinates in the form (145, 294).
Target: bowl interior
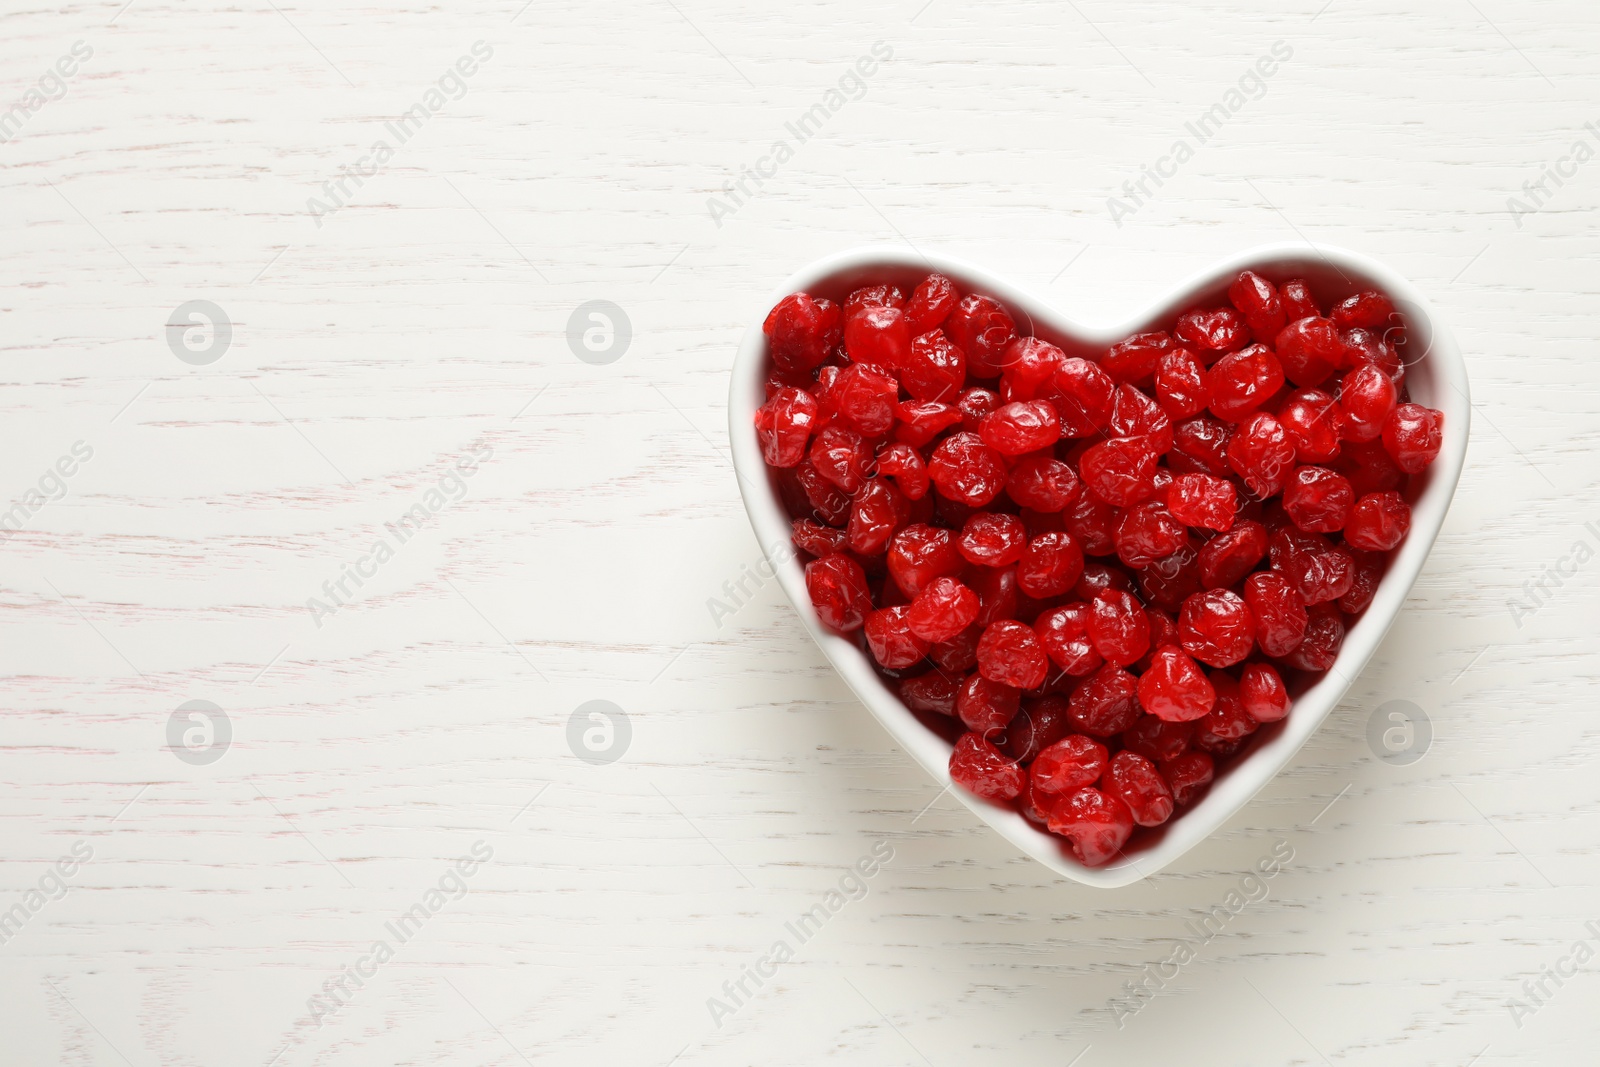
(1436, 377)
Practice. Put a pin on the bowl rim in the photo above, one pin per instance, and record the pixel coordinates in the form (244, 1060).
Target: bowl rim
(1443, 377)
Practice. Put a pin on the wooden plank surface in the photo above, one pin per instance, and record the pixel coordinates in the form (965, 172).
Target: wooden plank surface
(387, 335)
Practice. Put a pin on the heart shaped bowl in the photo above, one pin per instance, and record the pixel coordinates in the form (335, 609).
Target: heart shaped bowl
(1437, 378)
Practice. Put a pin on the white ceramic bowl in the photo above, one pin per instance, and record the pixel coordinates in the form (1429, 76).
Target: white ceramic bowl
(1437, 378)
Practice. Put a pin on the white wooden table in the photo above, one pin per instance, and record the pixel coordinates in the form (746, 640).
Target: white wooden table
(225, 907)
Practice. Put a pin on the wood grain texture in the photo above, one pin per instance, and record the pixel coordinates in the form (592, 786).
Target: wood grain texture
(427, 318)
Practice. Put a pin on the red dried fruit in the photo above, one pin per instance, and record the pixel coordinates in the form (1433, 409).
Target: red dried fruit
(1378, 522)
(1118, 628)
(983, 329)
(1050, 565)
(904, 464)
(1317, 499)
(877, 337)
(1009, 653)
(1297, 299)
(966, 470)
(959, 654)
(1226, 723)
(1083, 395)
(1261, 453)
(1149, 532)
(878, 511)
(1228, 557)
(1200, 445)
(1412, 437)
(1067, 766)
(986, 706)
(1064, 635)
(1279, 612)
(1120, 471)
(1021, 426)
(1189, 511)
(1095, 825)
(1094, 523)
(919, 553)
(1218, 330)
(1324, 636)
(1136, 359)
(1243, 381)
(1043, 483)
(1135, 781)
(1367, 398)
(943, 609)
(933, 368)
(1037, 725)
(1173, 689)
(866, 399)
(979, 767)
(1202, 500)
(1029, 364)
(1158, 739)
(931, 303)
(830, 502)
(1369, 571)
(818, 540)
(1369, 310)
(1105, 703)
(873, 296)
(1181, 387)
(1262, 693)
(890, 639)
(1312, 421)
(998, 596)
(784, 424)
(1309, 350)
(838, 588)
(1188, 775)
(801, 332)
(843, 457)
(1257, 300)
(920, 421)
(934, 692)
(993, 539)
(1217, 628)
(1133, 414)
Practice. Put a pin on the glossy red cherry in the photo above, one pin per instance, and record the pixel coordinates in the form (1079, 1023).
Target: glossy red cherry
(1217, 628)
(1068, 765)
(979, 767)
(890, 639)
(784, 424)
(802, 331)
(1173, 688)
(1064, 635)
(838, 588)
(1009, 653)
(1188, 776)
(1050, 565)
(1280, 613)
(942, 610)
(1096, 825)
(986, 706)
(1412, 436)
(931, 303)
(1378, 522)
(1118, 627)
(983, 330)
(1134, 780)
(965, 469)
(920, 553)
